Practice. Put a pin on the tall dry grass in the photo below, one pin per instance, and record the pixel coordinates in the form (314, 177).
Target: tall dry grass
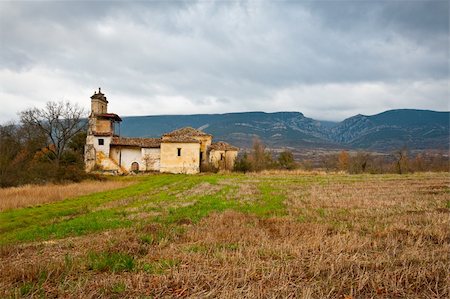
(31, 195)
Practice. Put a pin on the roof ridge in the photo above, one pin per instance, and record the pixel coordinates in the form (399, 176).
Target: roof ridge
(222, 145)
(186, 131)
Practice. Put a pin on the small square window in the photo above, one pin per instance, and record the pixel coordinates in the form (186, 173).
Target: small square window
(179, 152)
(101, 141)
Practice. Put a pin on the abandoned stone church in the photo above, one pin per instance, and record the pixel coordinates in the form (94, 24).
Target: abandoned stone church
(184, 150)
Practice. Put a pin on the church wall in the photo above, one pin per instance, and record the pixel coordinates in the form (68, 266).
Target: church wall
(205, 143)
(89, 157)
(151, 158)
(230, 159)
(98, 106)
(103, 126)
(94, 141)
(187, 162)
(227, 162)
(125, 156)
(107, 164)
(91, 125)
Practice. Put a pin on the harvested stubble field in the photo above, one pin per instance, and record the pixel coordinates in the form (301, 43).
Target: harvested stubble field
(270, 235)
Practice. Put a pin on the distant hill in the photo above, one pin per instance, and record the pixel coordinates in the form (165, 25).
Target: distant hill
(416, 129)
(275, 129)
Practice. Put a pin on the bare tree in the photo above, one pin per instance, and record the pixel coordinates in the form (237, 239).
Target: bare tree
(359, 163)
(258, 155)
(343, 161)
(401, 157)
(59, 121)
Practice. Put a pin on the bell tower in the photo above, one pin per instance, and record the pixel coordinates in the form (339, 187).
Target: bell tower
(101, 129)
(101, 122)
(99, 104)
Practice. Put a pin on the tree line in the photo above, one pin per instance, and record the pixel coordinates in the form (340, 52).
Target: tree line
(45, 145)
(401, 161)
(258, 158)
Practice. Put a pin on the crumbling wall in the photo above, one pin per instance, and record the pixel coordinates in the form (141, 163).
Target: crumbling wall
(187, 162)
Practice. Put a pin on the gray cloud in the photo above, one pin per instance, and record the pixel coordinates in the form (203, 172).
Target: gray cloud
(209, 57)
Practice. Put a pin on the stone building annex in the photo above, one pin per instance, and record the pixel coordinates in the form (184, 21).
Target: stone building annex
(184, 150)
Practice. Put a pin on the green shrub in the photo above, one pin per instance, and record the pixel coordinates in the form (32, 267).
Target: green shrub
(242, 163)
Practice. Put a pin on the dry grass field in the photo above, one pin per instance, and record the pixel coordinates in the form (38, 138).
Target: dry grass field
(269, 235)
(32, 195)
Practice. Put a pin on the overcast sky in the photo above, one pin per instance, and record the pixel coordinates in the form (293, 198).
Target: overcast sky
(329, 60)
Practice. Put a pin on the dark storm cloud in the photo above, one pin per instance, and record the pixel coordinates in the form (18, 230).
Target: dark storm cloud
(187, 57)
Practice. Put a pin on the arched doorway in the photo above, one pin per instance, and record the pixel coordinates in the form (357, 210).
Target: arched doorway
(135, 166)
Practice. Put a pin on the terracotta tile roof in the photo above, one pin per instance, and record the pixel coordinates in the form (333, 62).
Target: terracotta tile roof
(137, 142)
(109, 116)
(179, 139)
(186, 132)
(222, 146)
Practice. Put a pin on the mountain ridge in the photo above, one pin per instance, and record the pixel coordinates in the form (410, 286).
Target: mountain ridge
(388, 130)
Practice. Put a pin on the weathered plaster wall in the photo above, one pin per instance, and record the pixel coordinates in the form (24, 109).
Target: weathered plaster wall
(89, 157)
(114, 154)
(93, 140)
(103, 126)
(108, 164)
(91, 125)
(151, 158)
(228, 159)
(106, 144)
(188, 162)
(98, 106)
(125, 156)
(205, 143)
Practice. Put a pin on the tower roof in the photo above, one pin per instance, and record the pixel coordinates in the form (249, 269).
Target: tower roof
(99, 95)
